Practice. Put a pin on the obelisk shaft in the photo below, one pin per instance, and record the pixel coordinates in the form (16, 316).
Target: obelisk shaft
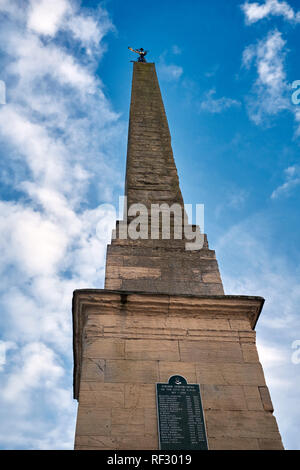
(156, 265)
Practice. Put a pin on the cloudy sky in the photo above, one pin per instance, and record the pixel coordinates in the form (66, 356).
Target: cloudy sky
(226, 71)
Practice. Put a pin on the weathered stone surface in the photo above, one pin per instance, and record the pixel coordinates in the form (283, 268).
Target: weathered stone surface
(210, 351)
(117, 442)
(108, 348)
(150, 421)
(270, 444)
(140, 396)
(223, 397)
(107, 395)
(151, 178)
(151, 349)
(93, 369)
(167, 369)
(128, 371)
(253, 398)
(266, 399)
(250, 353)
(165, 314)
(224, 443)
(128, 415)
(229, 373)
(121, 378)
(93, 420)
(241, 424)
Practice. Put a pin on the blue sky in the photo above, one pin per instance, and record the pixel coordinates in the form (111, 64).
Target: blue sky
(226, 71)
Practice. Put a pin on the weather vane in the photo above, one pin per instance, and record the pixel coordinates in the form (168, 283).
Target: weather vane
(141, 53)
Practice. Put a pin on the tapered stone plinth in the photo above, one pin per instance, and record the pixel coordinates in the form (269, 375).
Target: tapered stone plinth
(125, 343)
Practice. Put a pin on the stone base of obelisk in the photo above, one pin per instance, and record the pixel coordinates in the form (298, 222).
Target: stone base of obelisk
(125, 342)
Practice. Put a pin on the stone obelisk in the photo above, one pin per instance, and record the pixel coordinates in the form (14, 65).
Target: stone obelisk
(162, 313)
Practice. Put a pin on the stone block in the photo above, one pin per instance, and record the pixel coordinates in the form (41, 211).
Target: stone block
(105, 348)
(99, 394)
(95, 442)
(128, 416)
(210, 351)
(150, 349)
(250, 353)
(253, 398)
(128, 272)
(93, 421)
(224, 443)
(167, 369)
(127, 371)
(240, 324)
(223, 397)
(266, 399)
(113, 284)
(103, 320)
(140, 396)
(211, 277)
(140, 442)
(151, 421)
(117, 442)
(93, 369)
(241, 424)
(230, 374)
(128, 429)
(270, 444)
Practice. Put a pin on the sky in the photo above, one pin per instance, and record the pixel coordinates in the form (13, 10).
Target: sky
(226, 71)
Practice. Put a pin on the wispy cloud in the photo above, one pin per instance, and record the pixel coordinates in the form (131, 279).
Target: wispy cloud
(292, 179)
(58, 131)
(169, 71)
(252, 267)
(212, 71)
(176, 50)
(233, 199)
(255, 11)
(44, 20)
(217, 105)
(270, 90)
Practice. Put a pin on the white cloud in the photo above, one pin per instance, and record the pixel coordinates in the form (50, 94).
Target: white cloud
(168, 72)
(90, 30)
(176, 50)
(212, 71)
(255, 11)
(62, 142)
(217, 105)
(45, 16)
(292, 179)
(38, 367)
(233, 198)
(30, 239)
(36, 60)
(271, 355)
(257, 271)
(253, 267)
(270, 93)
(36, 411)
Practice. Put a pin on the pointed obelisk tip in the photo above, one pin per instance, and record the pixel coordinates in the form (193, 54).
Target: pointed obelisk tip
(141, 53)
